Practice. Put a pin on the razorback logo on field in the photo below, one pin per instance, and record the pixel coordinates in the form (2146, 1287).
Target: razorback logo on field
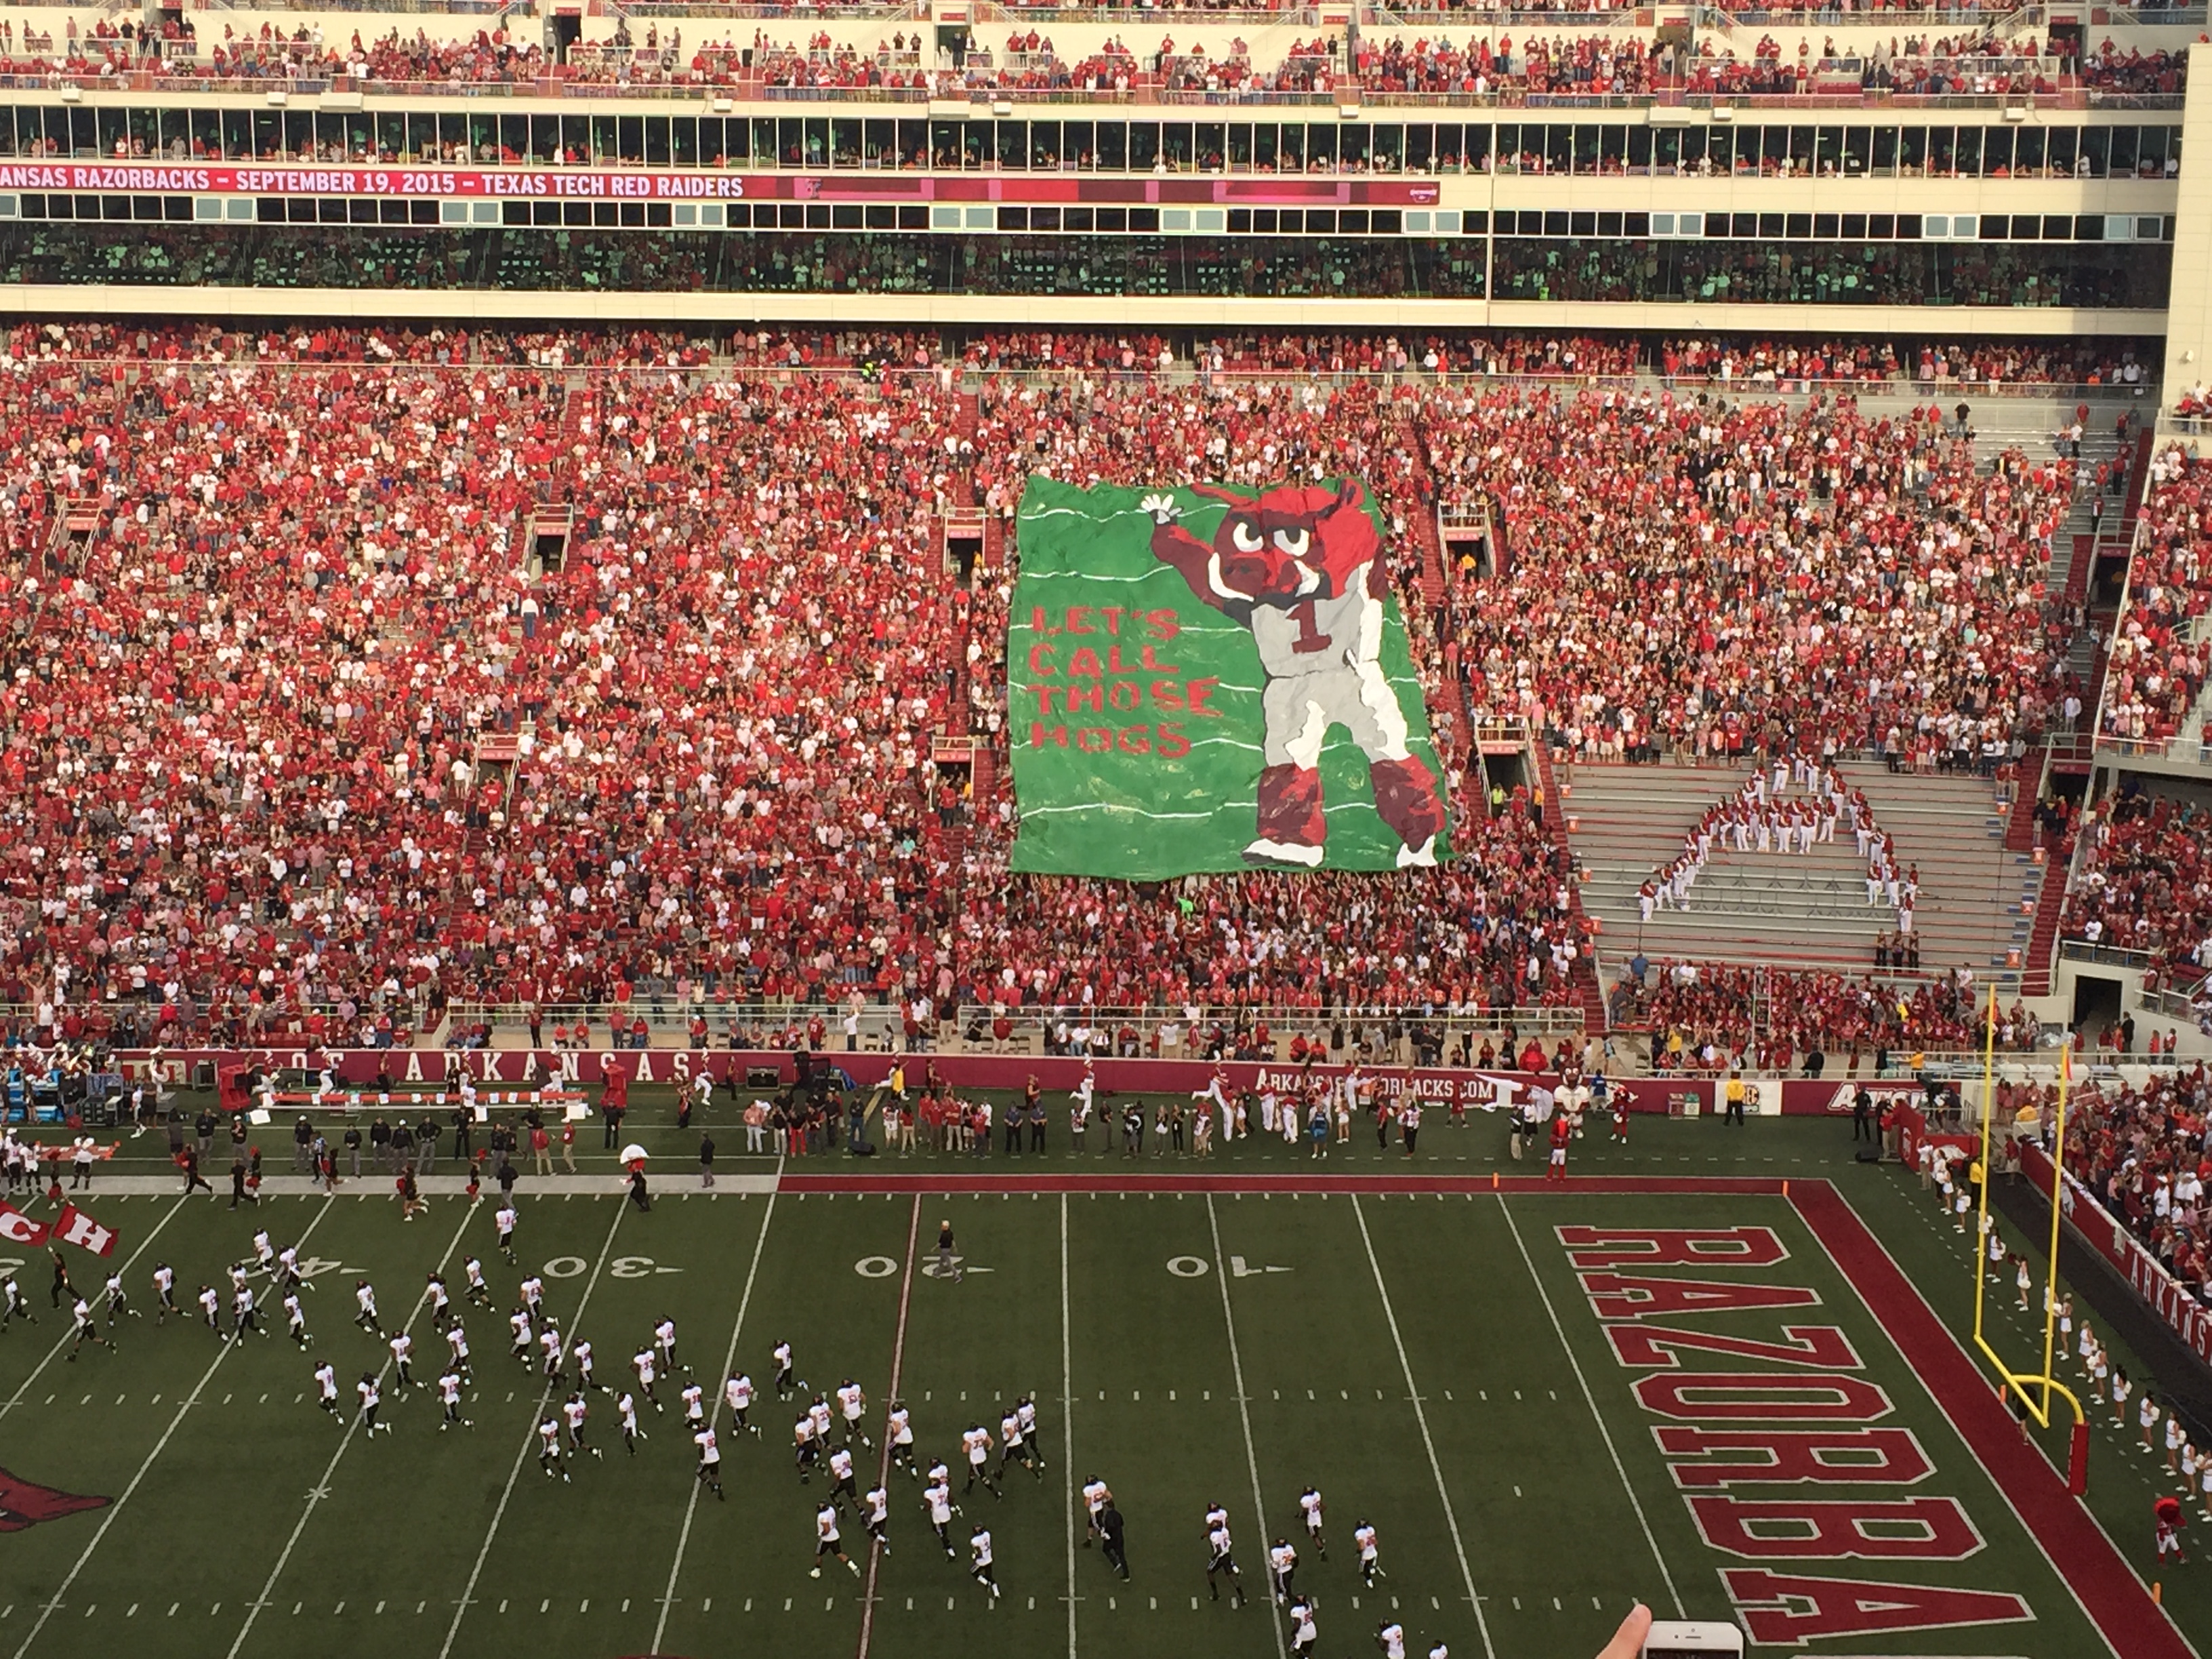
(26, 1503)
(1742, 1445)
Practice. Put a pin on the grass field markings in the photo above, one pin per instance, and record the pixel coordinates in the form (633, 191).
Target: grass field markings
(529, 1439)
(60, 1342)
(1605, 1433)
(321, 1489)
(1421, 1417)
(1067, 1423)
(1243, 1410)
(108, 1514)
(882, 1474)
(729, 1361)
(2161, 1620)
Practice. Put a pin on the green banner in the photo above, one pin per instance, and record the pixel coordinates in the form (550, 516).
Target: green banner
(1213, 677)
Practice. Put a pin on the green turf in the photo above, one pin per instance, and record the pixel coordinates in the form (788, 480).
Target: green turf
(374, 1553)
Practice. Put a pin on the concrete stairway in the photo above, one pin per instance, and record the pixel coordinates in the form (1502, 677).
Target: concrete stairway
(1588, 990)
(1746, 907)
(1792, 911)
(1971, 889)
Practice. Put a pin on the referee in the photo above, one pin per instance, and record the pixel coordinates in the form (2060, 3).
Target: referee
(1109, 1532)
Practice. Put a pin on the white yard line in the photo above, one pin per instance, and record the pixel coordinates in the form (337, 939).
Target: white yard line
(1243, 1410)
(322, 1487)
(1421, 1417)
(729, 1360)
(1590, 1401)
(883, 1470)
(530, 1439)
(1067, 1423)
(129, 1262)
(107, 1519)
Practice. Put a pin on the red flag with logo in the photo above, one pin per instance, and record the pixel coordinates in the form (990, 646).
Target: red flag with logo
(16, 1228)
(74, 1226)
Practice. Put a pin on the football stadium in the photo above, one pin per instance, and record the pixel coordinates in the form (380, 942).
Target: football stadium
(1146, 829)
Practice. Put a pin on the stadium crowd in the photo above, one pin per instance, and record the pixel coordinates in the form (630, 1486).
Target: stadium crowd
(1865, 583)
(2143, 1152)
(1562, 66)
(2145, 882)
(2158, 662)
(1928, 366)
(1919, 68)
(1713, 1018)
(292, 728)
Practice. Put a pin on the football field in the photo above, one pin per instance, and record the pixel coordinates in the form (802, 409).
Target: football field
(1700, 1390)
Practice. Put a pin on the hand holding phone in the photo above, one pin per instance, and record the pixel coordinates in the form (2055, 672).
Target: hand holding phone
(1680, 1638)
(1640, 1637)
(1628, 1641)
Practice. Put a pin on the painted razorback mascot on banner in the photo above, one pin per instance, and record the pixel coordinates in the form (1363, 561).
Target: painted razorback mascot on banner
(1303, 569)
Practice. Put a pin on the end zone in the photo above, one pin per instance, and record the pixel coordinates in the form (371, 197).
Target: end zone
(2101, 1579)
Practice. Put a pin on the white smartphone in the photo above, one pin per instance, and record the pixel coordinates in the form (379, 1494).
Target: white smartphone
(1678, 1638)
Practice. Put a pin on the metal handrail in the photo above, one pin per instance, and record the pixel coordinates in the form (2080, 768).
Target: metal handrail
(975, 375)
(1185, 97)
(1225, 17)
(660, 1006)
(678, 83)
(841, 11)
(2108, 956)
